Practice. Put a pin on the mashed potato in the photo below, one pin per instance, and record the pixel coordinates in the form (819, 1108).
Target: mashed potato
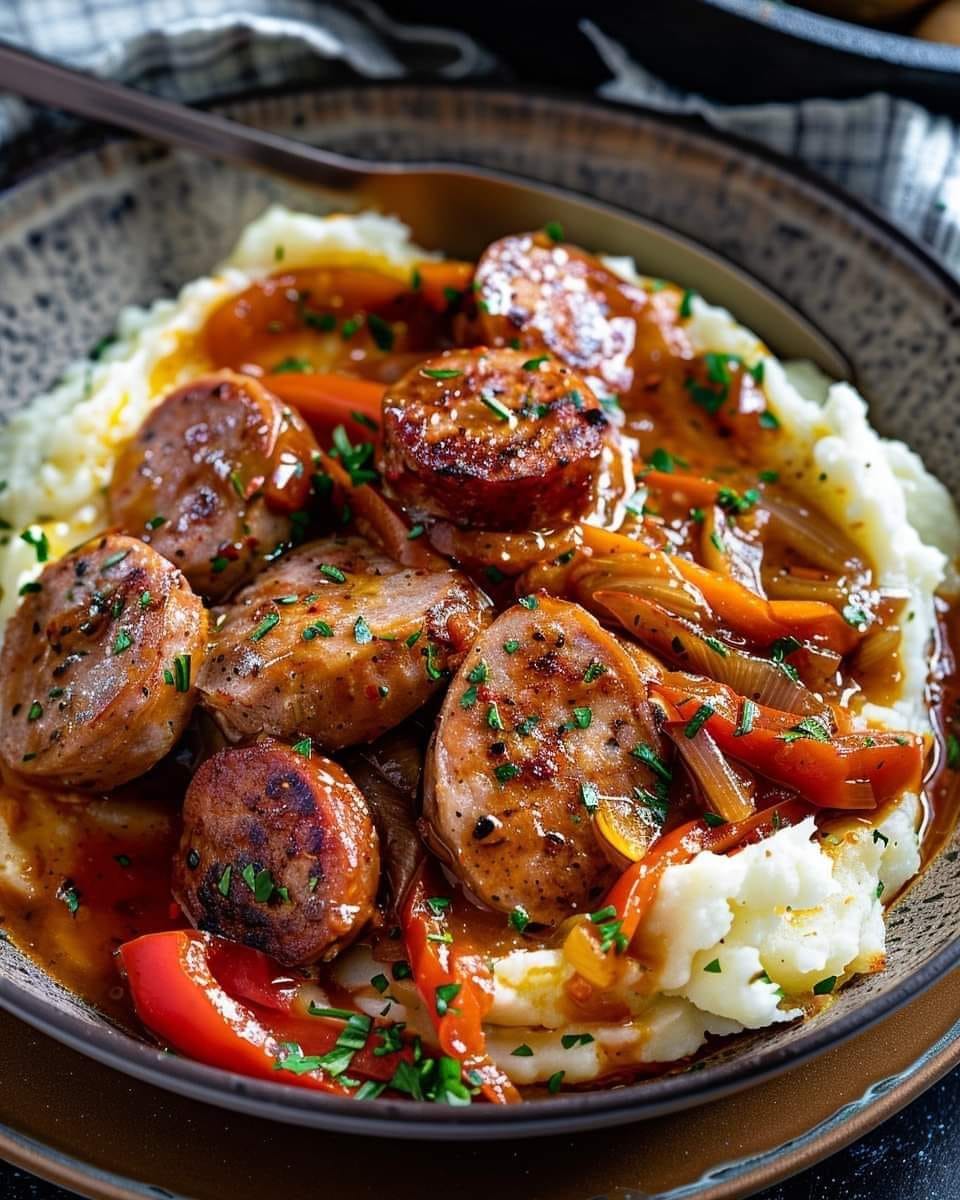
(731, 943)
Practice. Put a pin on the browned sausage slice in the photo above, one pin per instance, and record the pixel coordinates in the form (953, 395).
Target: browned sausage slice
(278, 851)
(212, 477)
(544, 295)
(539, 722)
(338, 641)
(494, 439)
(97, 669)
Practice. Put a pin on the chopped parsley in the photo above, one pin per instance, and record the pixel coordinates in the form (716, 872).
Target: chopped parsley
(825, 986)
(67, 894)
(534, 364)
(569, 1040)
(494, 720)
(505, 772)
(554, 231)
(123, 641)
(528, 602)
(362, 633)
(316, 629)
(440, 373)
(519, 918)
(381, 331)
(713, 967)
(328, 571)
(41, 545)
(698, 720)
(808, 727)
(856, 616)
(499, 409)
(269, 622)
(662, 460)
(445, 994)
(649, 757)
(304, 747)
(589, 796)
(594, 670)
(748, 714)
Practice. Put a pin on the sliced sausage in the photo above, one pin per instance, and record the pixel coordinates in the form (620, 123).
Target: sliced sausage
(278, 851)
(541, 295)
(97, 668)
(212, 479)
(494, 439)
(337, 641)
(539, 722)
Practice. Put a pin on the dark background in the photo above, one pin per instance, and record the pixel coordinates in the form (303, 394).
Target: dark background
(916, 1155)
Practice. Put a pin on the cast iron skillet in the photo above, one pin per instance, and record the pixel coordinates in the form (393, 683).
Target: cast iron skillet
(128, 222)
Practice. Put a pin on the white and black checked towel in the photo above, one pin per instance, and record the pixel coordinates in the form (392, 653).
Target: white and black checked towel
(890, 152)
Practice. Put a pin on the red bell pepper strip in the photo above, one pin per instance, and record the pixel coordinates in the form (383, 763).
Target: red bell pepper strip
(456, 987)
(829, 772)
(173, 978)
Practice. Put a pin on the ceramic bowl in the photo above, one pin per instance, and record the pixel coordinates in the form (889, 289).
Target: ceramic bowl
(126, 222)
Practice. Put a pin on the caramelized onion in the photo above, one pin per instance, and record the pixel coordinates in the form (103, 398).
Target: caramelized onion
(878, 648)
(811, 535)
(726, 792)
(682, 642)
(650, 576)
(783, 585)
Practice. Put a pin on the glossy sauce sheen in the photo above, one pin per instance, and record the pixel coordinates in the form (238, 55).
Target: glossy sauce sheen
(103, 866)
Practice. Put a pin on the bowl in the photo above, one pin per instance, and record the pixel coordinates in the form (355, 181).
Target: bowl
(757, 51)
(125, 222)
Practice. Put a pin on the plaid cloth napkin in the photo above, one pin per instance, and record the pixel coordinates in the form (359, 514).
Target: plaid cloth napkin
(890, 152)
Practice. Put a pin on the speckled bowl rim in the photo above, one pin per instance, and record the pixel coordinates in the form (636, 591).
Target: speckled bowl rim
(569, 1112)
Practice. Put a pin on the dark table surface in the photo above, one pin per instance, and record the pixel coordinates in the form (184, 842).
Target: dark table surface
(914, 1156)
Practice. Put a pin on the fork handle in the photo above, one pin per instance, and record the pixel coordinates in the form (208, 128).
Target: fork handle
(44, 82)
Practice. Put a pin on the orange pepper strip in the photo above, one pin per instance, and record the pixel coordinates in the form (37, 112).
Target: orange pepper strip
(326, 401)
(377, 520)
(456, 987)
(634, 892)
(824, 772)
(437, 278)
(696, 490)
(761, 620)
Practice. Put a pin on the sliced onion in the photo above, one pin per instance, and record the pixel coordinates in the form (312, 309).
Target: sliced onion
(782, 585)
(725, 550)
(758, 678)
(877, 648)
(813, 536)
(724, 789)
(650, 576)
(393, 814)
(858, 793)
